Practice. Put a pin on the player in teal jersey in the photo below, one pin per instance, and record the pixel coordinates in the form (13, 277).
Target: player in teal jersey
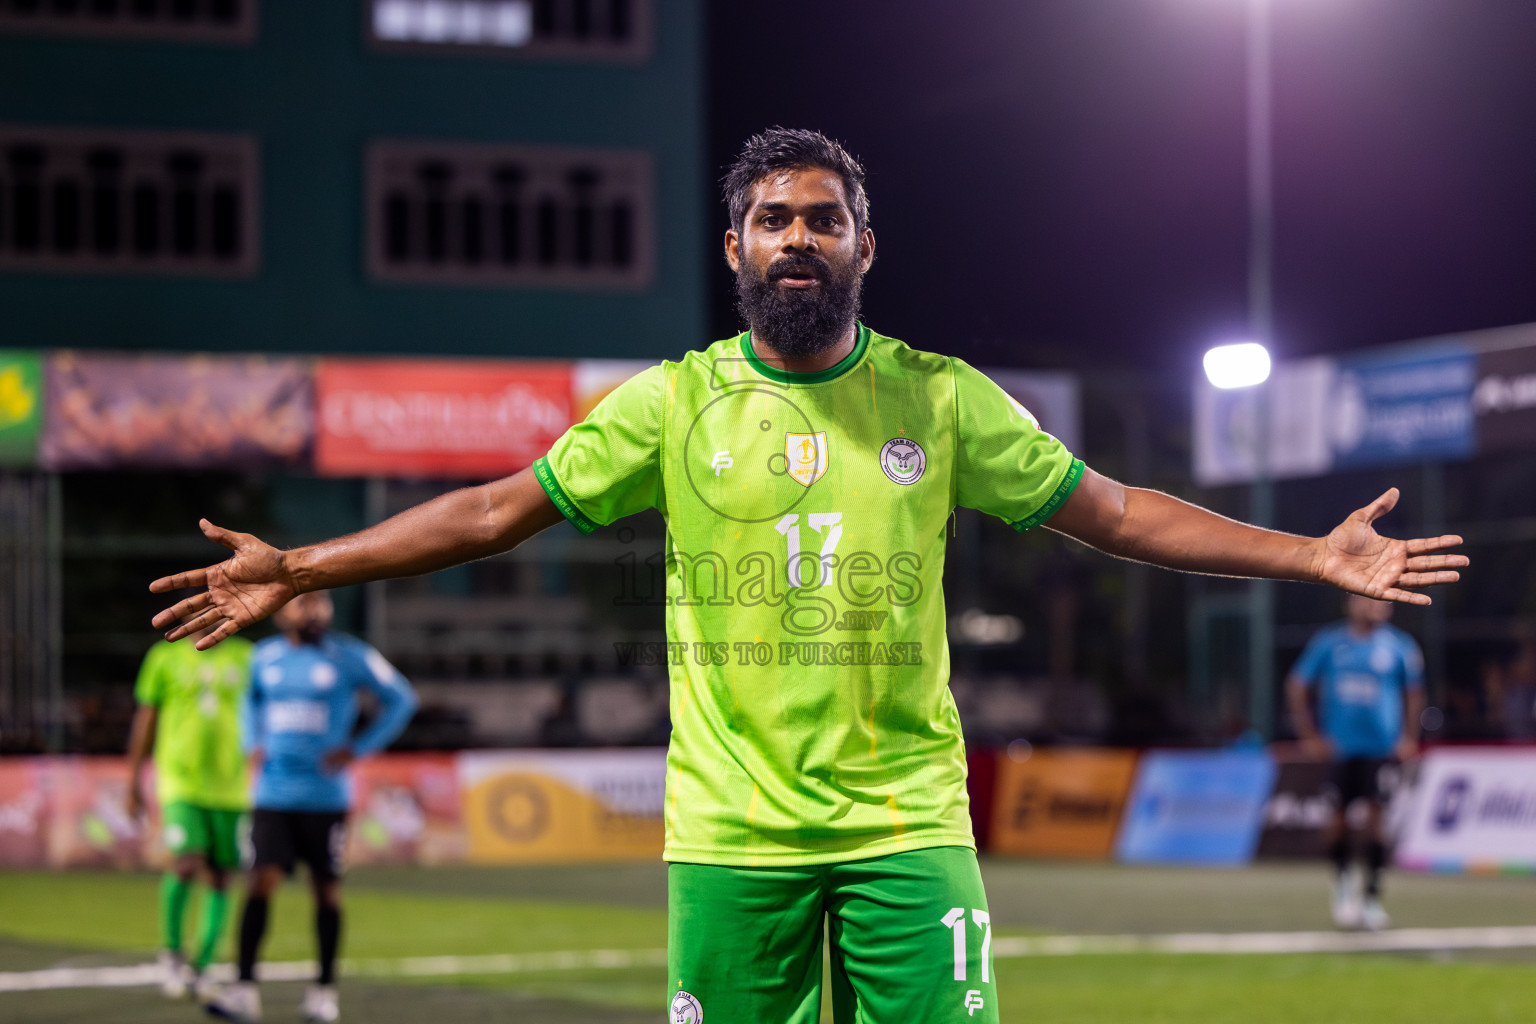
(189, 712)
(807, 469)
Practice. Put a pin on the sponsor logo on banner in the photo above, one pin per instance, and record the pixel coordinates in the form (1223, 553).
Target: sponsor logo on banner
(21, 407)
(555, 806)
(87, 819)
(1404, 407)
(1297, 813)
(1196, 807)
(405, 810)
(441, 418)
(1061, 803)
(22, 814)
(1504, 400)
(1475, 810)
(111, 409)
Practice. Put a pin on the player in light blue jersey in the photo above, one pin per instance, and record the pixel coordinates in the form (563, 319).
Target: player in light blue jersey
(1369, 679)
(300, 715)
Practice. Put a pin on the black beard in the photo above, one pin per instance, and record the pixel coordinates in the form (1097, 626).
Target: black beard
(796, 322)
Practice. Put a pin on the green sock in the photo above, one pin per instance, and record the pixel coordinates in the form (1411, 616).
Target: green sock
(215, 911)
(173, 904)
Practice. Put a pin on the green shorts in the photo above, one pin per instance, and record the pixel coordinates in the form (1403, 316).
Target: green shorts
(210, 831)
(910, 936)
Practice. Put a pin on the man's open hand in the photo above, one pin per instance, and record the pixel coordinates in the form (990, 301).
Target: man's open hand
(1354, 557)
(252, 584)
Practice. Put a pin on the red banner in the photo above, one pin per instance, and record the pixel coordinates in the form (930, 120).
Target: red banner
(405, 810)
(87, 818)
(437, 418)
(23, 814)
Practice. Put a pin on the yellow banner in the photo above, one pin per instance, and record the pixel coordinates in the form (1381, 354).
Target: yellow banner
(1061, 803)
(563, 806)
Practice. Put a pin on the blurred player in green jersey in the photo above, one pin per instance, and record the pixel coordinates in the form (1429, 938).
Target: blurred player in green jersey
(807, 469)
(189, 713)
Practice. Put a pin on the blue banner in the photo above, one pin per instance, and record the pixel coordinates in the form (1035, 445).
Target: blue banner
(1408, 406)
(1196, 807)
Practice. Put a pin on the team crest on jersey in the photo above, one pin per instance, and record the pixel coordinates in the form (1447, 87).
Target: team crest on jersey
(805, 456)
(903, 460)
(686, 1010)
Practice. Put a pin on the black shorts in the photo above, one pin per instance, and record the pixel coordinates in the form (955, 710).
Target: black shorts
(286, 838)
(1361, 778)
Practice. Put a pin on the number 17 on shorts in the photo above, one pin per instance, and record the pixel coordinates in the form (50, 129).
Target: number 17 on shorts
(956, 921)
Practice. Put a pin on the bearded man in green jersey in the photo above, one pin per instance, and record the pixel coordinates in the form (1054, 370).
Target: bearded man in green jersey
(189, 712)
(807, 469)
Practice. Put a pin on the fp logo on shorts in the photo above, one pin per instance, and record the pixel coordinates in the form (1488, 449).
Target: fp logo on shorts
(973, 1001)
(686, 1010)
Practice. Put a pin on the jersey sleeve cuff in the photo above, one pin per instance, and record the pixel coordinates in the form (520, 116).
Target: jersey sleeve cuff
(1058, 498)
(546, 478)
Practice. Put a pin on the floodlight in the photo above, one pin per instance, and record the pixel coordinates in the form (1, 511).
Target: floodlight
(1237, 366)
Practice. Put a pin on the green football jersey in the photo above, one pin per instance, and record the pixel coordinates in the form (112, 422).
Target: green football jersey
(197, 730)
(806, 514)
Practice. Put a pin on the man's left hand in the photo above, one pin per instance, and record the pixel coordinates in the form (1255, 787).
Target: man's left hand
(1357, 559)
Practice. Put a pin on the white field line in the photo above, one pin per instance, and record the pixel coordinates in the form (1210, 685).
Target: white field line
(1400, 940)
(302, 970)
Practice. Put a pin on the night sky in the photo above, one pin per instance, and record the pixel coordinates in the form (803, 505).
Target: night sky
(1062, 182)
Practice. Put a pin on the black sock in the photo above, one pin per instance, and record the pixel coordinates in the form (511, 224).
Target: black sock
(1375, 860)
(328, 937)
(1338, 852)
(253, 927)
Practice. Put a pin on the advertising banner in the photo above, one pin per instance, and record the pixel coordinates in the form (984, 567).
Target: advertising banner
(87, 823)
(1228, 426)
(405, 810)
(110, 409)
(1404, 406)
(23, 814)
(1504, 400)
(563, 806)
(437, 418)
(1474, 810)
(1196, 807)
(1061, 803)
(1298, 810)
(21, 407)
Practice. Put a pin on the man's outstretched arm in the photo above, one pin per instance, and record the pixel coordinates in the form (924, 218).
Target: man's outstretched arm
(258, 579)
(1149, 526)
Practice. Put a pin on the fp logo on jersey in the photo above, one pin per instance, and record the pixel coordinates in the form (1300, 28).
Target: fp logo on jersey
(686, 1009)
(903, 460)
(805, 457)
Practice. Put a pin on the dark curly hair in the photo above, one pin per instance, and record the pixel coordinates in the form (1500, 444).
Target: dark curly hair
(788, 149)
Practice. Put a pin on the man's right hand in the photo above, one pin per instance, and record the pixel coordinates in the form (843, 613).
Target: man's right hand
(252, 584)
(1317, 746)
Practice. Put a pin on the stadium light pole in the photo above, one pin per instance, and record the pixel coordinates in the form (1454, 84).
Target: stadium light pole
(1261, 220)
(1248, 364)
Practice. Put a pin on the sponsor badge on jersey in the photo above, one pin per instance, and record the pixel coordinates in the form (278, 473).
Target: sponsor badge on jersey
(323, 675)
(806, 456)
(686, 1009)
(903, 460)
